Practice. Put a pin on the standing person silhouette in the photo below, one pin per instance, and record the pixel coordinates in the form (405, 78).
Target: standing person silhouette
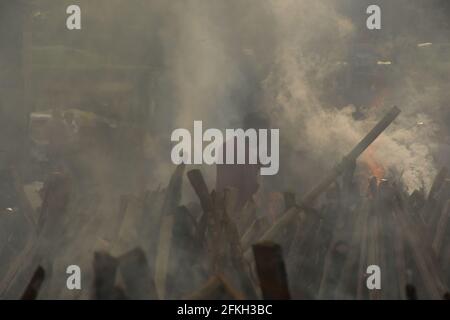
(243, 177)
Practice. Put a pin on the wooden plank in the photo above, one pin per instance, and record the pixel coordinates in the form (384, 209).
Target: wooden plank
(137, 275)
(271, 271)
(422, 255)
(163, 254)
(105, 270)
(441, 231)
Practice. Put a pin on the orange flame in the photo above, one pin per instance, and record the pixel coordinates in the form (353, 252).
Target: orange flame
(376, 169)
(369, 157)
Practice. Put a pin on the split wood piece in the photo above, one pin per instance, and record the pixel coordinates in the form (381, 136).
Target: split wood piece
(271, 271)
(24, 203)
(431, 211)
(362, 267)
(32, 290)
(348, 282)
(237, 255)
(315, 192)
(302, 256)
(335, 259)
(217, 239)
(163, 254)
(210, 229)
(128, 230)
(173, 192)
(166, 223)
(441, 202)
(442, 230)
(198, 183)
(105, 270)
(136, 275)
(388, 255)
(400, 258)
(437, 184)
(184, 252)
(423, 256)
(416, 201)
(216, 288)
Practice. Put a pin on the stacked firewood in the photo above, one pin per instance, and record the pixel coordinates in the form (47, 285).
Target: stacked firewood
(151, 246)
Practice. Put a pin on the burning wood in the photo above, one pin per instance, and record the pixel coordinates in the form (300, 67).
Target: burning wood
(203, 251)
(315, 192)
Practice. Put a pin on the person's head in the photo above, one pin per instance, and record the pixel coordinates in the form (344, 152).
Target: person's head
(256, 120)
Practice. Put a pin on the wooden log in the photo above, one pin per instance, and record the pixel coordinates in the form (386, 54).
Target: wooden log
(302, 256)
(105, 270)
(210, 229)
(349, 277)
(437, 184)
(431, 210)
(271, 271)
(416, 201)
(184, 252)
(32, 290)
(237, 255)
(361, 285)
(422, 255)
(400, 258)
(169, 208)
(173, 192)
(163, 254)
(198, 183)
(137, 275)
(442, 229)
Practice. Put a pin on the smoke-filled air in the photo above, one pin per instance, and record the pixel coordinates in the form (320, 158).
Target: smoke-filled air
(87, 179)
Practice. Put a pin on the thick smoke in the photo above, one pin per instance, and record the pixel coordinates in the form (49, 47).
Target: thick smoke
(218, 60)
(285, 58)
